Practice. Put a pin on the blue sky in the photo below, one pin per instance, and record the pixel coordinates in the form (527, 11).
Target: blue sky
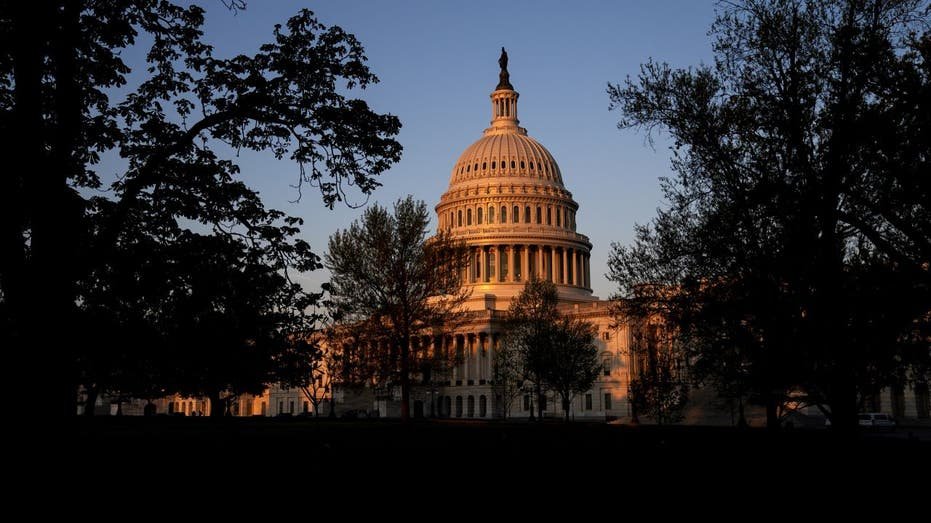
(437, 62)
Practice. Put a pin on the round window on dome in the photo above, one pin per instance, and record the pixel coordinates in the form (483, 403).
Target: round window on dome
(484, 166)
(492, 165)
(531, 166)
(512, 164)
(467, 168)
(476, 166)
(521, 164)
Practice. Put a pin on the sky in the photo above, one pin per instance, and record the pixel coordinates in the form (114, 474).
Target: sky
(437, 62)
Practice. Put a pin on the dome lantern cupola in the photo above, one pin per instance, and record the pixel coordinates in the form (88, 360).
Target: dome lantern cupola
(504, 101)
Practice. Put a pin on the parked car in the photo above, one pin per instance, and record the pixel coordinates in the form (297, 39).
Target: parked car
(876, 420)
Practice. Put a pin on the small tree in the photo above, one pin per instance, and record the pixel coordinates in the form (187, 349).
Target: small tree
(545, 349)
(658, 389)
(530, 321)
(569, 363)
(303, 367)
(388, 276)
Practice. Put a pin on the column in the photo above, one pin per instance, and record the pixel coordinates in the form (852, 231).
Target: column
(588, 271)
(512, 265)
(467, 362)
(565, 266)
(576, 260)
(525, 263)
(483, 272)
(539, 255)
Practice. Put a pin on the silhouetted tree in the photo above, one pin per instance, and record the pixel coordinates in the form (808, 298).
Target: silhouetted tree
(303, 366)
(529, 327)
(230, 317)
(61, 63)
(658, 388)
(569, 364)
(399, 284)
(545, 349)
(800, 194)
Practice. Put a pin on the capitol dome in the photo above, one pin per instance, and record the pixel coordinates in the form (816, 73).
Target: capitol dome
(507, 201)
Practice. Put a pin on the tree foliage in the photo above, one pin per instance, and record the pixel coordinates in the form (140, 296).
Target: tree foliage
(65, 101)
(799, 204)
(390, 277)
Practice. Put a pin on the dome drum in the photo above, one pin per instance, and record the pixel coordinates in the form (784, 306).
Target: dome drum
(506, 200)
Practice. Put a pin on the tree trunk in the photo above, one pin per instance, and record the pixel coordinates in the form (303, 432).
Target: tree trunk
(843, 399)
(772, 414)
(405, 380)
(539, 401)
(216, 405)
(91, 401)
(565, 407)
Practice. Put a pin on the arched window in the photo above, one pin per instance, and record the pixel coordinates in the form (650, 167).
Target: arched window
(491, 265)
(491, 214)
(476, 266)
(558, 218)
(549, 216)
(492, 165)
(476, 166)
(447, 405)
(458, 406)
(606, 365)
(482, 406)
(531, 166)
(539, 215)
(479, 216)
(516, 216)
(460, 217)
(484, 166)
(527, 214)
(467, 168)
(504, 214)
(471, 413)
(512, 164)
(521, 164)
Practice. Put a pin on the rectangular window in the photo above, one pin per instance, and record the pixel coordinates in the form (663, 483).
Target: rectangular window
(491, 215)
(517, 265)
(588, 401)
(504, 266)
(527, 214)
(608, 401)
(539, 215)
(468, 216)
(558, 218)
(549, 216)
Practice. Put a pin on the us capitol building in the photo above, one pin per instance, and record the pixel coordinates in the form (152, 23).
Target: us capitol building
(508, 202)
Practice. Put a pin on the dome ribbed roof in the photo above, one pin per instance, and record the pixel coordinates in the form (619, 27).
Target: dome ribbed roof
(507, 155)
